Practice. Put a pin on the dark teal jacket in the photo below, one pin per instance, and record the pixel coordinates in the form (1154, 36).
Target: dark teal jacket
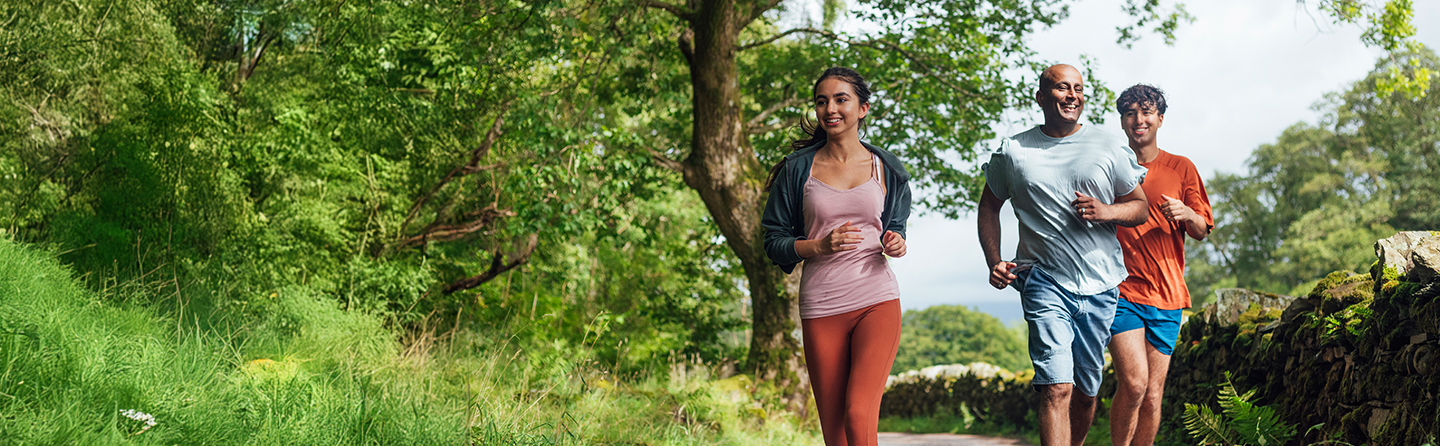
(784, 218)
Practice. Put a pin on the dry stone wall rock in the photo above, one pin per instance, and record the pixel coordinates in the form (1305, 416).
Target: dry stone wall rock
(1396, 251)
(1358, 356)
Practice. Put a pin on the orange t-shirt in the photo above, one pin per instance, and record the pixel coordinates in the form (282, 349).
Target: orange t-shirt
(1155, 251)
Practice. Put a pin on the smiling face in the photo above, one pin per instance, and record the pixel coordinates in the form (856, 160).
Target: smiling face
(1140, 123)
(1061, 95)
(838, 108)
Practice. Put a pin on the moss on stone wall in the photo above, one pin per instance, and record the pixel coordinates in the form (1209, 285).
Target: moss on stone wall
(1357, 357)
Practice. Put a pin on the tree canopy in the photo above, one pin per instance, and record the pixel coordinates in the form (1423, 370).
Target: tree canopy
(1317, 199)
(953, 334)
(483, 163)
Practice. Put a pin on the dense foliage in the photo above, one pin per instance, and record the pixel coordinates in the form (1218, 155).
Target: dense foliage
(1317, 199)
(952, 334)
(337, 187)
(373, 154)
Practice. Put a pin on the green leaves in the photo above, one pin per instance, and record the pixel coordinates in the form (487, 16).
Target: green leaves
(951, 334)
(1317, 199)
(1148, 12)
(1205, 426)
(935, 69)
(1243, 423)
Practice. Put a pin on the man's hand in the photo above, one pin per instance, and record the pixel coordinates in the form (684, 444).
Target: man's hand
(1129, 210)
(894, 244)
(1091, 209)
(1176, 210)
(1000, 275)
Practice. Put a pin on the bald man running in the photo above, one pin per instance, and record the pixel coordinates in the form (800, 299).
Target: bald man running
(1070, 186)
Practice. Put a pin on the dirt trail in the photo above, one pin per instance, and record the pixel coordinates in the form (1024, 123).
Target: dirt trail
(899, 439)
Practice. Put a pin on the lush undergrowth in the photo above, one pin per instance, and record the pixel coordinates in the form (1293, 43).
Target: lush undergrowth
(303, 371)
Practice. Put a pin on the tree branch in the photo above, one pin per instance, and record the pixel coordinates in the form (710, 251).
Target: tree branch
(498, 265)
(771, 110)
(681, 12)
(472, 166)
(687, 45)
(878, 44)
(665, 161)
(247, 67)
(782, 35)
(760, 130)
(478, 219)
(759, 10)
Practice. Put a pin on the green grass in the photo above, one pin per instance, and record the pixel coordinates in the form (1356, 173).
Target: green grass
(292, 368)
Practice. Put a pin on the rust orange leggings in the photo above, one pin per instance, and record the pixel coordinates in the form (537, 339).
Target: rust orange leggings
(849, 357)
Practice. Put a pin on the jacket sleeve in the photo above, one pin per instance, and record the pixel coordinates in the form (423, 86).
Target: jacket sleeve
(778, 222)
(900, 210)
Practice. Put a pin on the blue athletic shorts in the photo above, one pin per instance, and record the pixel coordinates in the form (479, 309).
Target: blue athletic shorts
(1068, 332)
(1162, 327)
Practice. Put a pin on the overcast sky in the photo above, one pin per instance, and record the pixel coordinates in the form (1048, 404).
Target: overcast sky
(1235, 78)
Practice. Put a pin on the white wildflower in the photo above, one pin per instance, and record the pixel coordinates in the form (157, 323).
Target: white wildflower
(147, 419)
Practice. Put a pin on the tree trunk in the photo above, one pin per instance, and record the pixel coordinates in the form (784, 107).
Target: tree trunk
(723, 168)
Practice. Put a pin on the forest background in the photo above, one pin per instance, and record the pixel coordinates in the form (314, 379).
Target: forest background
(531, 222)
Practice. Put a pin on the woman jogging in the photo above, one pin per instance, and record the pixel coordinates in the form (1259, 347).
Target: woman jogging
(840, 205)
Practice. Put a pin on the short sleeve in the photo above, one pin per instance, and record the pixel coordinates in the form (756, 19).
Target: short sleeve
(1129, 174)
(1195, 195)
(997, 172)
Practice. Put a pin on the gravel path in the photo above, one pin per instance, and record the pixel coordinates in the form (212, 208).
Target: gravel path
(899, 439)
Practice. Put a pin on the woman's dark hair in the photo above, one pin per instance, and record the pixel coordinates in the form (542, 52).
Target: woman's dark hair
(1142, 94)
(812, 131)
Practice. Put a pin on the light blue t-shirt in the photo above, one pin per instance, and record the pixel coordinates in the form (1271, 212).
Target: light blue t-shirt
(1040, 175)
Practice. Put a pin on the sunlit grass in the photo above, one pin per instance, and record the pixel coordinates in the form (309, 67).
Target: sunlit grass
(295, 369)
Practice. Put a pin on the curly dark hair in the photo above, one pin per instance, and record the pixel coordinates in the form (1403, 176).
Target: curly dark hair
(1141, 94)
(812, 131)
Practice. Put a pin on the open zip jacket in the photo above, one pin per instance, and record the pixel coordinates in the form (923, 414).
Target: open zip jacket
(784, 218)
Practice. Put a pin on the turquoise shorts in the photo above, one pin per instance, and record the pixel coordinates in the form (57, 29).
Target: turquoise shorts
(1162, 327)
(1068, 332)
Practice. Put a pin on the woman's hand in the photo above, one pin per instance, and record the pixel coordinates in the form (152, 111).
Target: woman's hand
(894, 244)
(845, 237)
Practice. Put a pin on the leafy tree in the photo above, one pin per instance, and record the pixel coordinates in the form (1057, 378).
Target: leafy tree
(375, 154)
(953, 334)
(936, 68)
(398, 155)
(1316, 200)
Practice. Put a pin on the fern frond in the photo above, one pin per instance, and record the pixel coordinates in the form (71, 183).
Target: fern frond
(1205, 425)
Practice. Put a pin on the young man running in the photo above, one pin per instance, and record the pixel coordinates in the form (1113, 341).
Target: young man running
(1070, 186)
(1147, 318)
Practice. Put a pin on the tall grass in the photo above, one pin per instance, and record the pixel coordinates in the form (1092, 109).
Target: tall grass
(295, 369)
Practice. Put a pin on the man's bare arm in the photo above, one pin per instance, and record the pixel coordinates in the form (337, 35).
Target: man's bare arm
(1129, 210)
(989, 225)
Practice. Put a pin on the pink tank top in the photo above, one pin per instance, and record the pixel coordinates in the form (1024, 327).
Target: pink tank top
(850, 280)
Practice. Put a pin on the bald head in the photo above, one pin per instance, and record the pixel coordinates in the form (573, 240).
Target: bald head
(1056, 73)
(1061, 97)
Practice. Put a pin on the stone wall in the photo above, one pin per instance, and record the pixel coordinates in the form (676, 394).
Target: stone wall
(1358, 356)
(1357, 360)
(985, 391)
